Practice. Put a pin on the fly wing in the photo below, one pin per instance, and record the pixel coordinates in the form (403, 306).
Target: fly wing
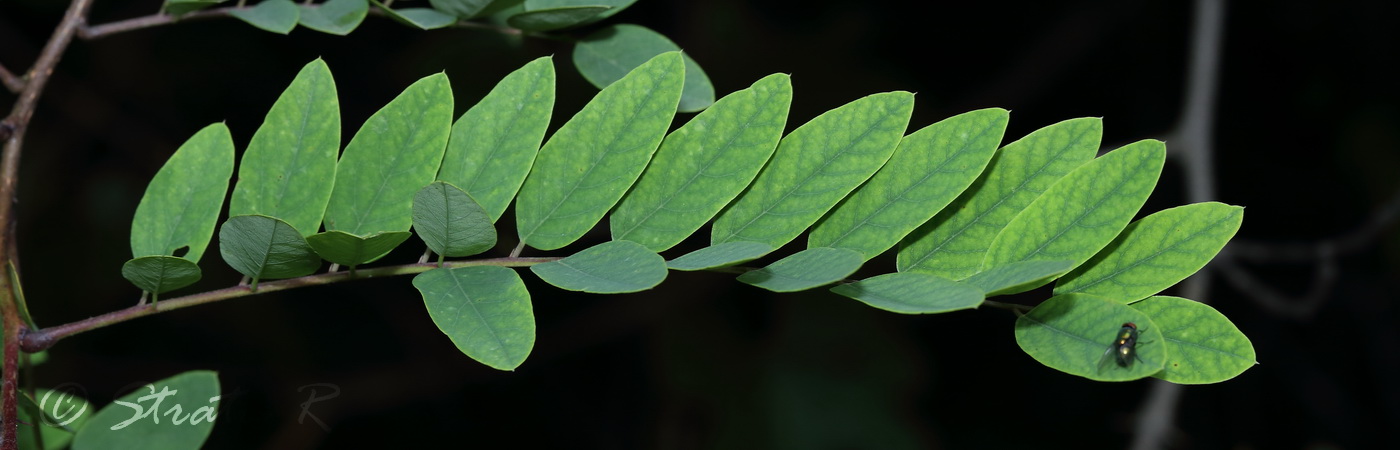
(1106, 360)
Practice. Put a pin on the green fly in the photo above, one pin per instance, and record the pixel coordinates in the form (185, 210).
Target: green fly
(1124, 347)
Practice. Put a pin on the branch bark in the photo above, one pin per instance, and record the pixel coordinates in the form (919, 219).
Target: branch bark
(38, 340)
(11, 82)
(16, 124)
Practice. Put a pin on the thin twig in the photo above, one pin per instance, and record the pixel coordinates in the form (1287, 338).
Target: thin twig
(17, 122)
(1354, 241)
(11, 82)
(38, 340)
(1194, 132)
(154, 20)
(1296, 307)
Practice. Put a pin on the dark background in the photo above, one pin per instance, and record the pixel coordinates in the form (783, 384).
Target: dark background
(1306, 138)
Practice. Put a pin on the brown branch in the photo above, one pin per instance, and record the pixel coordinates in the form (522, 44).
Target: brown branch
(13, 83)
(154, 20)
(1194, 132)
(38, 340)
(1323, 254)
(16, 124)
(1354, 241)
(1296, 307)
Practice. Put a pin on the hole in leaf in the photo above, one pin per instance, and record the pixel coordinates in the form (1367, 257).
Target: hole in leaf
(180, 252)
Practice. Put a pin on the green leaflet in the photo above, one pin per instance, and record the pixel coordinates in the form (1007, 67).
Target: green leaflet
(953, 244)
(616, 5)
(929, 169)
(21, 305)
(182, 7)
(262, 247)
(485, 310)
(1203, 345)
(555, 18)
(182, 203)
(494, 143)
(609, 268)
(1070, 333)
(1082, 213)
(338, 17)
(806, 269)
(1156, 252)
(350, 250)
(396, 152)
(277, 16)
(592, 160)
(728, 253)
(463, 9)
(57, 432)
(703, 165)
(289, 167)
(420, 18)
(170, 428)
(160, 274)
(1018, 276)
(814, 167)
(912, 293)
(450, 222)
(608, 54)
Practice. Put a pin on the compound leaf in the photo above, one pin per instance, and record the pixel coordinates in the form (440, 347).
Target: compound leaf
(806, 269)
(396, 152)
(289, 168)
(1082, 213)
(703, 165)
(608, 268)
(606, 55)
(485, 310)
(420, 18)
(1018, 276)
(551, 19)
(189, 404)
(928, 170)
(57, 412)
(586, 167)
(182, 203)
(814, 167)
(182, 7)
(1203, 346)
(494, 143)
(912, 293)
(450, 222)
(462, 9)
(350, 250)
(1071, 332)
(728, 253)
(160, 274)
(953, 244)
(263, 247)
(338, 17)
(1156, 252)
(277, 16)
(616, 5)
